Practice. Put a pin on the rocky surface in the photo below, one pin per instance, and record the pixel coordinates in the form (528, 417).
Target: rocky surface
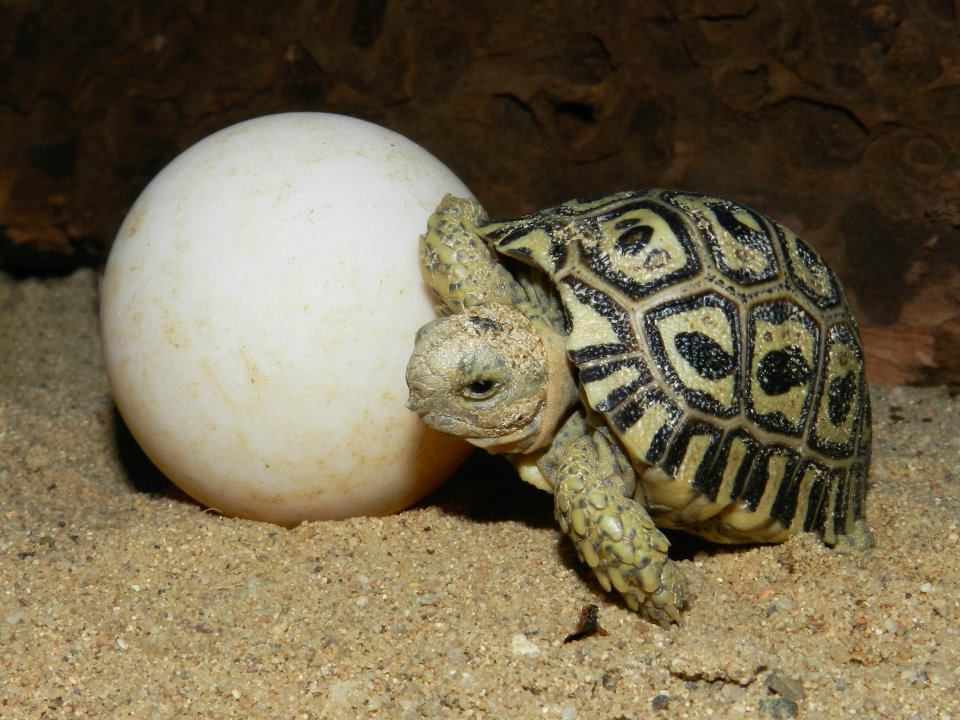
(842, 120)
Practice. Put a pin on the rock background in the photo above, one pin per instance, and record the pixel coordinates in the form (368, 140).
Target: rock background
(841, 120)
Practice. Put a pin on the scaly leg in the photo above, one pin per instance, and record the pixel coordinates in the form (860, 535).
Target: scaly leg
(859, 538)
(613, 533)
(456, 264)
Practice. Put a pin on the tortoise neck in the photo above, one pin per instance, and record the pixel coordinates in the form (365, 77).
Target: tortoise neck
(561, 391)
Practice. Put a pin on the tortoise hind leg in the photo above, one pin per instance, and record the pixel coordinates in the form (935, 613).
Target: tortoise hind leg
(853, 533)
(850, 532)
(613, 533)
(858, 537)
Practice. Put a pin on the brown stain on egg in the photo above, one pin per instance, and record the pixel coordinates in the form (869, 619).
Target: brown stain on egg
(254, 374)
(173, 335)
(134, 220)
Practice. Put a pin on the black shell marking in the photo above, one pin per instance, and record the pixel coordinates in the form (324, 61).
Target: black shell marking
(774, 464)
(665, 257)
(738, 238)
(704, 355)
(701, 477)
(733, 463)
(781, 370)
(783, 349)
(835, 425)
(695, 363)
(646, 423)
(599, 372)
(604, 306)
(808, 270)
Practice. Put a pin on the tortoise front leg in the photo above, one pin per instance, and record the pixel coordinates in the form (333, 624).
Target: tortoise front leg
(613, 533)
(456, 264)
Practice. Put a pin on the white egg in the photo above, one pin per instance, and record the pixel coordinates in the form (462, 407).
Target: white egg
(257, 311)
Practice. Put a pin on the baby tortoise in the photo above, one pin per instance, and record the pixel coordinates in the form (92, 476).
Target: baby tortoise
(655, 358)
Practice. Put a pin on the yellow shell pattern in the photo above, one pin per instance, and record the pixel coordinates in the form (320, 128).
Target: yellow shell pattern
(723, 353)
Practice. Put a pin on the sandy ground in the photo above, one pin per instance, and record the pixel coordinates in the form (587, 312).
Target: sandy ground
(121, 598)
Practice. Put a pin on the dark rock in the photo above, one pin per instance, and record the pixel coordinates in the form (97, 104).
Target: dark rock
(778, 708)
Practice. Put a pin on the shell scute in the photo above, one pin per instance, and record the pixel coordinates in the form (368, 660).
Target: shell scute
(639, 247)
(783, 349)
(695, 343)
(739, 239)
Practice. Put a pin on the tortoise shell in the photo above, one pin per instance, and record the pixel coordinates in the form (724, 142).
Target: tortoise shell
(722, 352)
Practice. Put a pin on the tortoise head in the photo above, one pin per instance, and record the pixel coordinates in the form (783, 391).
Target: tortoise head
(491, 376)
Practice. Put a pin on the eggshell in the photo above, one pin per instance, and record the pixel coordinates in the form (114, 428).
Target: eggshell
(257, 311)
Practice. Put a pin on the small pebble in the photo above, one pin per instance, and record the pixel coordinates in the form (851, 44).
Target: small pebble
(783, 603)
(342, 691)
(785, 687)
(779, 708)
(731, 692)
(378, 702)
(568, 713)
(660, 702)
(522, 646)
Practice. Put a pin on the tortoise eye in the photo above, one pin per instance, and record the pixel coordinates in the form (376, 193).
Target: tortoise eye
(479, 389)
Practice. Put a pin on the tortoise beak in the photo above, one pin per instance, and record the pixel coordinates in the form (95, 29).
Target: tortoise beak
(418, 399)
(414, 402)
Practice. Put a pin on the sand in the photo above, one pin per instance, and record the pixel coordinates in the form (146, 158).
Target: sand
(119, 597)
